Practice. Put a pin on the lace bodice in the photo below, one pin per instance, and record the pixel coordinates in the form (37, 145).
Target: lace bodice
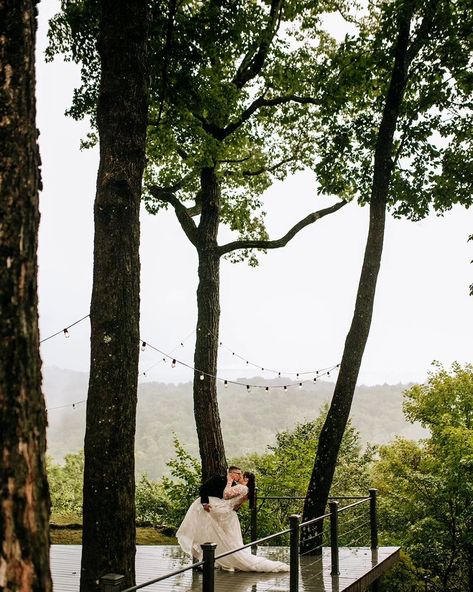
(235, 495)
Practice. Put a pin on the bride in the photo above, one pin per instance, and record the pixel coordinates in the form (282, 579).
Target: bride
(221, 526)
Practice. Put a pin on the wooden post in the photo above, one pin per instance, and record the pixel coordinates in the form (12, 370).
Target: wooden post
(112, 582)
(254, 522)
(208, 550)
(373, 519)
(294, 521)
(335, 571)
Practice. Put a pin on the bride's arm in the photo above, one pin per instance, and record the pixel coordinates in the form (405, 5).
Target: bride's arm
(229, 492)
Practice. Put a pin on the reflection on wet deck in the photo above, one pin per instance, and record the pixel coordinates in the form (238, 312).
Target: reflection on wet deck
(359, 567)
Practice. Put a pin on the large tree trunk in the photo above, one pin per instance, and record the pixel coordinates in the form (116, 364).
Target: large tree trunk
(24, 505)
(337, 418)
(212, 451)
(109, 473)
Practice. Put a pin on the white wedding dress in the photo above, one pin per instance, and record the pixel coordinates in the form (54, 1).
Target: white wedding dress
(221, 526)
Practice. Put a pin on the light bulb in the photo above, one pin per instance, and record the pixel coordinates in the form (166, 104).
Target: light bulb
(297, 375)
(285, 388)
(66, 333)
(315, 379)
(328, 373)
(143, 345)
(300, 385)
(267, 389)
(248, 387)
(173, 364)
(225, 383)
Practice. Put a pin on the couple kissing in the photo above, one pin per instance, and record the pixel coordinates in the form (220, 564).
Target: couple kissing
(212, 518)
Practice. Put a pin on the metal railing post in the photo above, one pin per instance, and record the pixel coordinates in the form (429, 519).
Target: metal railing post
(373, 519)
(112, 582)
(294, 521)
(254, 522)
(335, 571)
(208, 550)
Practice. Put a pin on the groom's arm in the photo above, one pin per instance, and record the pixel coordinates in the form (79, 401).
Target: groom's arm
(211, 487)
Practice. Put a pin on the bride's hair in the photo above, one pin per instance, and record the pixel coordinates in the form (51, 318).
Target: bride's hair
(251, 487)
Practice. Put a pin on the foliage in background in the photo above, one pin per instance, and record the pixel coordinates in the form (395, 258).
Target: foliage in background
(426, 488)
(285, 469)
(65, 484)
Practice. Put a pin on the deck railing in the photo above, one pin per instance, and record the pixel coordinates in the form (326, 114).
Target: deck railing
(115, 582)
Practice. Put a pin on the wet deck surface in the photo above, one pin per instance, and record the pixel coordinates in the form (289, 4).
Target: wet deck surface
(359, 567)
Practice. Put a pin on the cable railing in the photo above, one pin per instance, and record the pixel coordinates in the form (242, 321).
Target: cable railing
(340, 526)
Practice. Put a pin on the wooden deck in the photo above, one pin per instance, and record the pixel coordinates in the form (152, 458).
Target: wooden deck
(359, 567)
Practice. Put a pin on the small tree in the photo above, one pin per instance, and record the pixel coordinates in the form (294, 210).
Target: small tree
(427, 487)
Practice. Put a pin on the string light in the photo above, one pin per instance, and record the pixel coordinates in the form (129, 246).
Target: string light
(65, 330)
(180, 344)
(262, 366)
(174, 361)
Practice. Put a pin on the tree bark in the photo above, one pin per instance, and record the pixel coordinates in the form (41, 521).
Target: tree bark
(337, 418)
(207, 417)
(24, 504)
(109, 472)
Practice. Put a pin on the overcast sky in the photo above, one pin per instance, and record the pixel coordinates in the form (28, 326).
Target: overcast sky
(291, 313)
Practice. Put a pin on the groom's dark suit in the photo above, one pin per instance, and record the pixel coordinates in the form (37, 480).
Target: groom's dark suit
(213, 487)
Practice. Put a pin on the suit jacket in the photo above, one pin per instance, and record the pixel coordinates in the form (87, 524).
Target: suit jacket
(213, 487)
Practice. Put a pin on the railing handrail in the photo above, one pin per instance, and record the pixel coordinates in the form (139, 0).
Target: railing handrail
(360, 500)
(295, 497)
(314, 520)
(164, 577)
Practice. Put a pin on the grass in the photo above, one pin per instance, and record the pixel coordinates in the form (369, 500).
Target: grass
(67, 530)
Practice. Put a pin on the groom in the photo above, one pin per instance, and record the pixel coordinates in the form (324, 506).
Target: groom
(216, 485)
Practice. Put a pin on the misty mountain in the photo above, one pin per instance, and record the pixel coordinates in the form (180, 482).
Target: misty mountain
(249, 420)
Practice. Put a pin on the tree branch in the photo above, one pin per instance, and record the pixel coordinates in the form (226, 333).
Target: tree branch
(282, 242)
(253, 62)
(182, 213)
(269, 169)
(262, 102)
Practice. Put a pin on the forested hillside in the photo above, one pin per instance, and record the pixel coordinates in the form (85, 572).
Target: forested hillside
(249, 420)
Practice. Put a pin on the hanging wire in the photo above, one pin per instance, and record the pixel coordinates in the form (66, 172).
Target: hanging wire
(203, 373)
(264, 368)
(180, 344)
(73, 405)
(64, 331)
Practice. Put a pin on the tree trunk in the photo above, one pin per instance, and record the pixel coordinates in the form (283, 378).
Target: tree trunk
(337, 418)
(212, 451)
(109, 472)
(24, 508)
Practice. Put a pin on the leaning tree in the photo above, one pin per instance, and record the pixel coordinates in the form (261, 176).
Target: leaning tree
(402, 135)
(24, 507)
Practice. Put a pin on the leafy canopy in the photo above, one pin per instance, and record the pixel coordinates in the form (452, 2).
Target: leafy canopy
(427, 488)
(258, 90)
